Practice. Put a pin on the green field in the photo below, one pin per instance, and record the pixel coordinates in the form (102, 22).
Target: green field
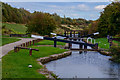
(17, 28)
(4, 41)
(15, 65)
(48, 42)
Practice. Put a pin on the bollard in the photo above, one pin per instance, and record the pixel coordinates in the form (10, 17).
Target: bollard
(55, 42)
(30, 52)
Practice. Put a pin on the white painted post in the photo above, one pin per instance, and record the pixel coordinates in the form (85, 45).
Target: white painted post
(87, 40)
(91, 40)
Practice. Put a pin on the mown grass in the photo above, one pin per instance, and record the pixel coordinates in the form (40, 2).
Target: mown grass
(4, 41)
(15, 65)
(17, 28)
(48, 42)
(103, 42)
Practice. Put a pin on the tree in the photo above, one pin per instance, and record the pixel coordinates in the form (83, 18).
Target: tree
(109, 21)
(41, 23)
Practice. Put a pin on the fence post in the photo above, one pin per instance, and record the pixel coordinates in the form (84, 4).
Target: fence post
(33, 42)
(55, 42)
(30, 52)
(26, 44)
(23, 44)
(30, 43)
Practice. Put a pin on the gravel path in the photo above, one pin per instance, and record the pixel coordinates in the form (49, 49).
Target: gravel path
(8, 47)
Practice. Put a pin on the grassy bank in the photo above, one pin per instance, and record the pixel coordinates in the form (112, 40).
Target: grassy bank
(103, 42)
(7, 40)
(15, 65)
(17, 28)
(48, 42)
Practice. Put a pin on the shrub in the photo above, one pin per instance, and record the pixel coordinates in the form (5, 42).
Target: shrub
(115, 52)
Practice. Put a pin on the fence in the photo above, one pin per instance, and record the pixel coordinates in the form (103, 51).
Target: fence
(25, 45)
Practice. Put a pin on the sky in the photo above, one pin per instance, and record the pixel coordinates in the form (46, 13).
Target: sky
(81, 9)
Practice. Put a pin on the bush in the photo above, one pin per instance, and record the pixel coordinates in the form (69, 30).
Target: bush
(41, 23)
(115, 52)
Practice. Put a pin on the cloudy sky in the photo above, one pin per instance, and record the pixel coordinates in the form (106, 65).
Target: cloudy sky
(81, 9)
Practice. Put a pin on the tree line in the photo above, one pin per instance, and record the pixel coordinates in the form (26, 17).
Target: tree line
(23, 16)
(108, 22)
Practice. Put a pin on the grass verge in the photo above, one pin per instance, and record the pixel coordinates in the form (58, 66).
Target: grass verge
(7, 40)
(48, 42)
(15, 65)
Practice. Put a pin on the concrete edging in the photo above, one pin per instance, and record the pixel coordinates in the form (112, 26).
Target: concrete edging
(44, 60)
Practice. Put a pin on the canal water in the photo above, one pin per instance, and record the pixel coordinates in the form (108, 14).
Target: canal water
(88, 64)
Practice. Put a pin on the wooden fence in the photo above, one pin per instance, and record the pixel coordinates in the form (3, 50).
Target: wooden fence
(25, 46)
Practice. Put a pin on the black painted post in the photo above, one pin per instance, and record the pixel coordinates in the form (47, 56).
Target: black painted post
(96, 46)
(110, 42)
(78, 34)
(70, 44)
(55, 42)
(85, 47)
(80, 46)
(70, 33)
(74, 33)
(84, 33)
(65, 33)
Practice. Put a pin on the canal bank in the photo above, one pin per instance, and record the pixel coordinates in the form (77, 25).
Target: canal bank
(43, 60)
